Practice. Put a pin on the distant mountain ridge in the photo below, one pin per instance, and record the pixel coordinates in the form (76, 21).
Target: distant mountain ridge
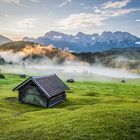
(88, 43)
(4, 40)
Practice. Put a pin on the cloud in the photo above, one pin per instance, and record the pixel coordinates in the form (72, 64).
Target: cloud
(107, 6)
(6, 16)
(117, 4)
(18, 2)
(35, 0)
(118, 12)
(11, 1)
(138, 20)
(82, 4)
(28, 23)
(64, 3)
(75, 21)
(85, 20)
(96, 16)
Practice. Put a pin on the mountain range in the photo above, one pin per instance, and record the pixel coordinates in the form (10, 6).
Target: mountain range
(82, 42)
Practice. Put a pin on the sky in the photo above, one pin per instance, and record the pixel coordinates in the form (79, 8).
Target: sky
(33, 18)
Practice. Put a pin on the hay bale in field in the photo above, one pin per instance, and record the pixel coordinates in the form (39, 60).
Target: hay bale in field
(70, 81)
(22, 75)
(123, 81)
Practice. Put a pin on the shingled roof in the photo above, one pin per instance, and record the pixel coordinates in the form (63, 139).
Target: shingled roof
(51, 85)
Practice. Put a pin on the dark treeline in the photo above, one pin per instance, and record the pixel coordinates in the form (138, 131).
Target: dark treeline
(128, 59)
(2, 61)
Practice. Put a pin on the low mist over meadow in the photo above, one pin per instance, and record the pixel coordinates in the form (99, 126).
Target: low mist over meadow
(35, 59)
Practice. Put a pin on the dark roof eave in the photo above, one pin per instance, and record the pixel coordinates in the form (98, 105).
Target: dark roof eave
(23, 83)
(26, 81)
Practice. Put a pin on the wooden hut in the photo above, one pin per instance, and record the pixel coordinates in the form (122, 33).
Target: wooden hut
(45, 91)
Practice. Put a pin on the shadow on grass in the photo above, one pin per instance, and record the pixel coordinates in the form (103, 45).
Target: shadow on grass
(70, 91)
(91, 94)
(11, 99)
(75, 104)
(19, 108)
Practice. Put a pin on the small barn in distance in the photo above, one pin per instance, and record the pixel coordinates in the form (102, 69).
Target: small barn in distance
(45, 91)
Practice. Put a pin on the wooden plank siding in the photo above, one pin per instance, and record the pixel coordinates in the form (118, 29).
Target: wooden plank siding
(57, 99)
(30, 96)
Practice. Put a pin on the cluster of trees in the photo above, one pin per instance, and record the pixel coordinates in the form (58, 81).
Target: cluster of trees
(128, 59)
(2, 61)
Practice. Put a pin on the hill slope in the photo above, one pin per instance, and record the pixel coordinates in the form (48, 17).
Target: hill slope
(16, 46)
(93, 110)
(27, 50)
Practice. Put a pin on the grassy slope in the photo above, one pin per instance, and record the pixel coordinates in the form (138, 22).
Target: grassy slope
(93, 111)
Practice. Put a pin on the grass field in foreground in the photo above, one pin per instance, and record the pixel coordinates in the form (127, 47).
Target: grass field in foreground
(93, 111)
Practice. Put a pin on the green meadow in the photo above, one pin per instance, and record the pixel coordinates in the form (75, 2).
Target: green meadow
(93, 111)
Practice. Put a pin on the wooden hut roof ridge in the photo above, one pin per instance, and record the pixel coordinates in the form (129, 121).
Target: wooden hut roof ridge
(52, 84)
(40, 87)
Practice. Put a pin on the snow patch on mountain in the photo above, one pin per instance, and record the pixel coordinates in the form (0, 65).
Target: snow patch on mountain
(82, 42)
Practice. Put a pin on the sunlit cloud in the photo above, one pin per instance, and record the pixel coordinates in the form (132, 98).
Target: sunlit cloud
(86, 20)
(25, 24)
(18, 2)
(97, 15)
(81, 20)
(6, 15)
(118, 12)
(117, 4)
(11, 1)
(138, 20)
